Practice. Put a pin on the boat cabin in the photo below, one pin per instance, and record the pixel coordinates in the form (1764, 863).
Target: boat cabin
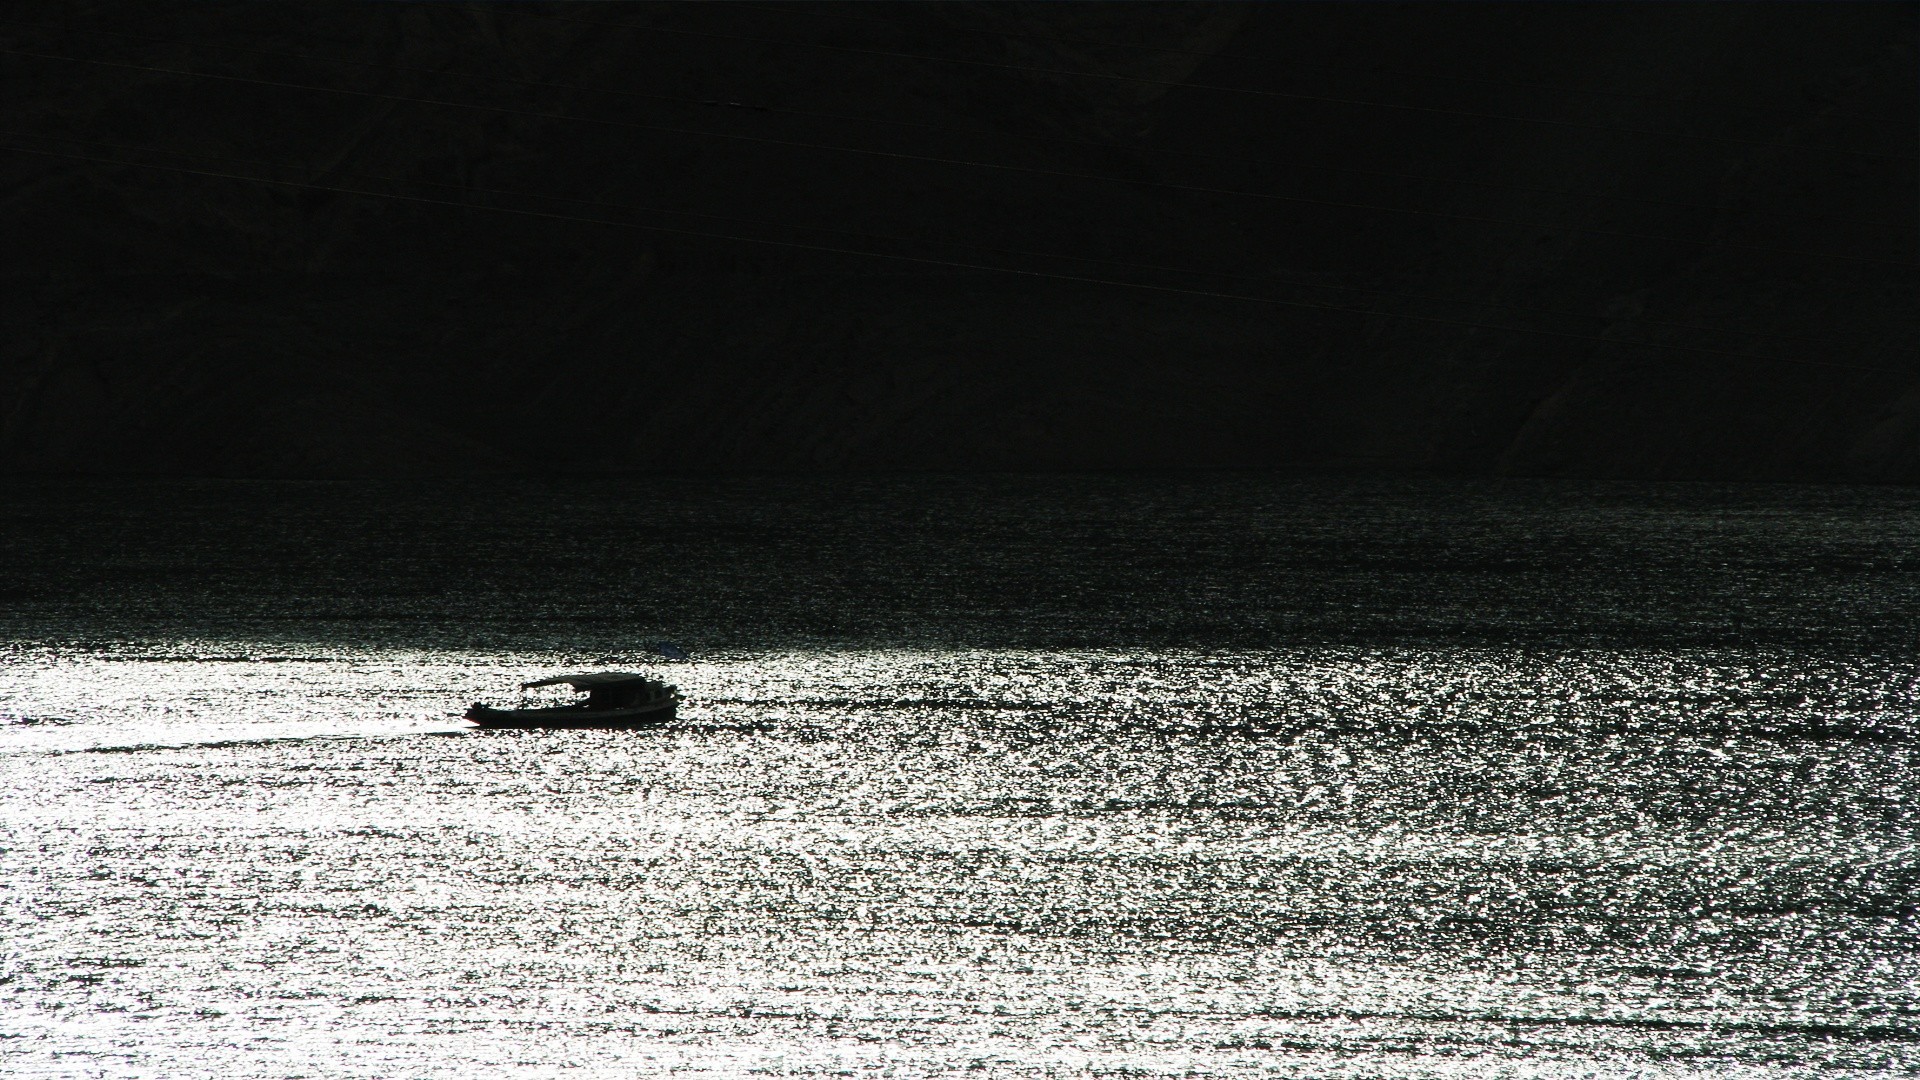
(606, 689)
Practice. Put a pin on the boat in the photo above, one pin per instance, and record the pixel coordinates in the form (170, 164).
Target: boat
(615, 699)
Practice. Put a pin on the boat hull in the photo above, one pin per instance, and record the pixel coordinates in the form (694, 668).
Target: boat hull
(651, 714)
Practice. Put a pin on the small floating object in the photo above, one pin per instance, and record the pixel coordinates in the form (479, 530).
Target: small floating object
(615, 699)
(669, 650)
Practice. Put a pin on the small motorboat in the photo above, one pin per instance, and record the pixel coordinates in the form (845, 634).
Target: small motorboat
(615, 699)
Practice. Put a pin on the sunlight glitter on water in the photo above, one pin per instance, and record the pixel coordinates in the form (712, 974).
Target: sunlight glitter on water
(229, 859)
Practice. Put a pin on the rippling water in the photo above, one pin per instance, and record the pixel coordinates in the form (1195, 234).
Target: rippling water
(982, 776)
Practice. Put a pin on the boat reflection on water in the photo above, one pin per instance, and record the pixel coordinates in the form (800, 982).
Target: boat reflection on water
(615, 699)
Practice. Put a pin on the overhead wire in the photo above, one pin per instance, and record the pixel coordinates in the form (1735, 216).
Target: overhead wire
(1269, 278)
(978, 267)
(997, 166)
(1311, 165)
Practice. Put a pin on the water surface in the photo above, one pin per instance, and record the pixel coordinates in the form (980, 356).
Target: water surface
(1055, 776)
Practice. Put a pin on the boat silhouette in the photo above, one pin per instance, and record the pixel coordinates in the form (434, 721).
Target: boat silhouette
(615, 699)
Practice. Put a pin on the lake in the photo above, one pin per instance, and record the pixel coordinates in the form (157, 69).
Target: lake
(1165, 775)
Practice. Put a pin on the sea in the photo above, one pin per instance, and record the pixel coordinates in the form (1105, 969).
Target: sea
(1152, 775)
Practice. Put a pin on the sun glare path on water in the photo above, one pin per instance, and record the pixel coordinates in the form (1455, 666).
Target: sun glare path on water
(1311, 862)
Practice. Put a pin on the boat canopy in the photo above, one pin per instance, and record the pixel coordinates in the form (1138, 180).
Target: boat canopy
(589, 680)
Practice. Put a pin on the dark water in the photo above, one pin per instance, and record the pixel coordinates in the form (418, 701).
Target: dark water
(1209, 561)
(1055, 776)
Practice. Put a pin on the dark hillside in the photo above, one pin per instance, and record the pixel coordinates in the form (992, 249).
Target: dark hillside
(1620, 240)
